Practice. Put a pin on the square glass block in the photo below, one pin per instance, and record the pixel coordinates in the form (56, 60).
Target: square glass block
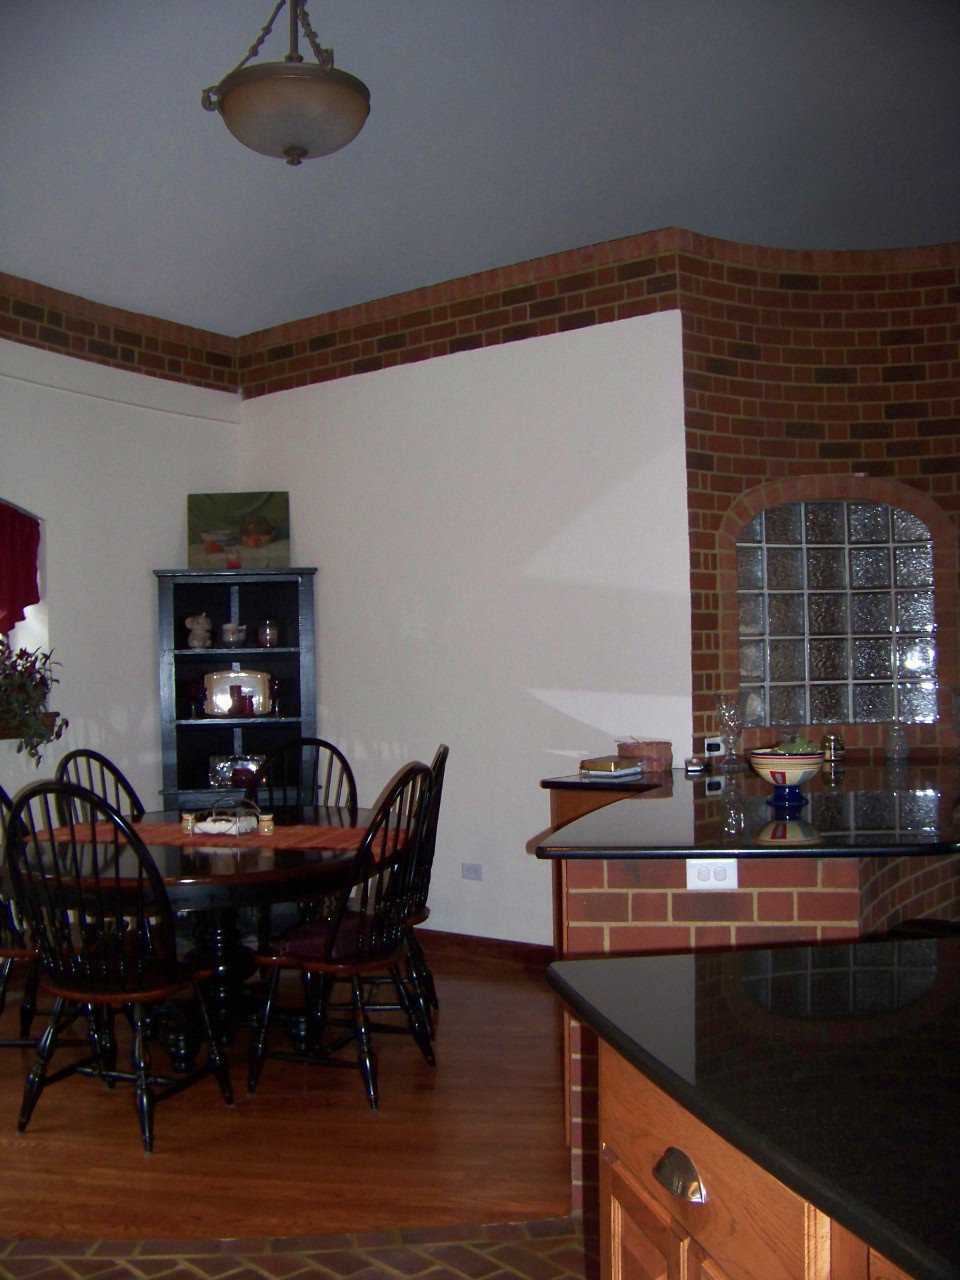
(754, 707)
(872, 702)
(876, 955)
(831, 811)
(829, 704)
(875, 811)
(788, 994)
(871, 659)
(786, 614)
(782, 524)
(874, 991)
(749, 568)
(918, 702)
(751, 660)
(752, 532)
(787, 704)
(826, 569)
(825, 522)
(916, 656)
(871, 612)
(827, 614)
(828, 659)
(834, 958)
(870, 567)
(915, 611)
(784, 569)
(750, 608)
(919, 810)
(914, 983)
(868, 521)
(909, 528)
(830, 993)
(918, 952)
(786, 661)
(914, 566)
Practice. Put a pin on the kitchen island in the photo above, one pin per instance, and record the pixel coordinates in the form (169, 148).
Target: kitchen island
(872, 849)
(814, 1090)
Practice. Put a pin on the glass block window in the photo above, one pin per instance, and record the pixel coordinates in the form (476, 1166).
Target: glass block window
(840, 982)
(836, 615)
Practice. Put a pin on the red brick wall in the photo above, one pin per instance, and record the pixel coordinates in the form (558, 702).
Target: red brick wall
(39, 316)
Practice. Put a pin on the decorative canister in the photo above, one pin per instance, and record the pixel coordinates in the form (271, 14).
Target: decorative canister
(269, 633)
(265, 824)
(187, 821)
(832, 747)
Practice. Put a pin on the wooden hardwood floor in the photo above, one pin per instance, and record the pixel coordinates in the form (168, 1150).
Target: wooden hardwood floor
(478, 1139)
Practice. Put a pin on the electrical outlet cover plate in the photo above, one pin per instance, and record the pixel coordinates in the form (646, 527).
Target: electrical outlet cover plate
(712, 874)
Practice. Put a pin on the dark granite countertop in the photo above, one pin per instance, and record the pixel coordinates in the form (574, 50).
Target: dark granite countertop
(833, 1066)
(912, 810)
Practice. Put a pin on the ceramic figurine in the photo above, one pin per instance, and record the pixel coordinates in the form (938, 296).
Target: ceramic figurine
(199, 627)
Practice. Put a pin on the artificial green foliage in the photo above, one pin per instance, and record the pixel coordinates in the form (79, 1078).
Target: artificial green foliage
(796, 746)
(26, 678)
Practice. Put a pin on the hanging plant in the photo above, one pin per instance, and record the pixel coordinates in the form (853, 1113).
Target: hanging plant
(26, 678)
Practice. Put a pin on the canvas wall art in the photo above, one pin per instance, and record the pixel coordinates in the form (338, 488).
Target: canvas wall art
(238, 530)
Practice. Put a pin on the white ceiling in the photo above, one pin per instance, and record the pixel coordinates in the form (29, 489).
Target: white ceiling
(499, 130)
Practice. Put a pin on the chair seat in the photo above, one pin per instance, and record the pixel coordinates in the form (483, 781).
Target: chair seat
(152, 985)
(357, 946)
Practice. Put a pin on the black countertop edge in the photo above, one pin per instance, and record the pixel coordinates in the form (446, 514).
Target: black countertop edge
(577, 782)
(861, 1219)
(820, 850)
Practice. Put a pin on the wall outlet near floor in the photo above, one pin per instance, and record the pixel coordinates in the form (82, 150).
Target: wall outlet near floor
(471, 870)
(711, 873)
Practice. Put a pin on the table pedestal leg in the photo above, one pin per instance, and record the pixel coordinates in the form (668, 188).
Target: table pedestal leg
(219, 949)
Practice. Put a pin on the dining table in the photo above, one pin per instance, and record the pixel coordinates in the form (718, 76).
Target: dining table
(223, 887)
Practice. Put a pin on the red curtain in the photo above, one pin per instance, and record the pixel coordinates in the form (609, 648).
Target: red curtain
(19, 545)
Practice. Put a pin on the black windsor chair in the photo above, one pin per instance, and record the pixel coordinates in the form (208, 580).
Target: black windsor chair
(422, 987)
(305, 771)
(14, 948)
(98, 913)
(360, 931)
(95, 772)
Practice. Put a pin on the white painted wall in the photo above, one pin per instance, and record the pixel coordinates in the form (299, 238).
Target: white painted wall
(106, 459)
(501, 539)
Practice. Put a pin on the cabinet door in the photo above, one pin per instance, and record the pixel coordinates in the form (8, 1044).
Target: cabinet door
(639, 1241)
(882, 1269)
(702, 1267)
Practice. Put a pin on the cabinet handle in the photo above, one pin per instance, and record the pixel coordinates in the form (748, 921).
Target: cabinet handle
(677, 1172)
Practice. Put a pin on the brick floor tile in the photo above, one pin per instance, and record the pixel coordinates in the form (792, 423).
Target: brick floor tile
(572, 1258)
(468, 1261)
(552, 1227)
(505, 1231)
(246, 1246)
(115, 1248)
(400, 1258)
(282, 1265)
(50, 1248)
(34, 1268)
(153, 1268)
(223, 1264)
(526, 1262)
(179, 1248)
(442, 1235)
(340, 1262)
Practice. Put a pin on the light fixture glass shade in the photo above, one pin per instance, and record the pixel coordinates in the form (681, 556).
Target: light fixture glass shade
(293, 110)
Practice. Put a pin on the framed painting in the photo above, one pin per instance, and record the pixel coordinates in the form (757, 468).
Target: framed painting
(238, 530)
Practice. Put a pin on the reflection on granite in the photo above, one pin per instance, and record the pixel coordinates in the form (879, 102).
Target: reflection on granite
(834, 1066)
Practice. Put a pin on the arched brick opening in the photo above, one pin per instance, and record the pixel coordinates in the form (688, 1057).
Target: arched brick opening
(925, 740)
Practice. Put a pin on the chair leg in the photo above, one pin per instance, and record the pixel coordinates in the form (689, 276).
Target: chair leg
(141, 1068)
(411, 1007)
(365, 1053)
(424, 972)
(34, 1083)
(417, 984)
(258, 1039)
(28, 1001)
(103, 1043)
(316, 999)
(218, 1060)
(5, 966)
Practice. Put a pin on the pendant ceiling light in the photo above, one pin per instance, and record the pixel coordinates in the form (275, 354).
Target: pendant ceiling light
(291, 109)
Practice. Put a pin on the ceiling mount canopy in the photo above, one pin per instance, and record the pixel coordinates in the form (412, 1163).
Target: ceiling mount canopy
(291, 109)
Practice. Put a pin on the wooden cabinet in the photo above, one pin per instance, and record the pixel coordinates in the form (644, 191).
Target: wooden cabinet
(749, 1226)
(190, 739)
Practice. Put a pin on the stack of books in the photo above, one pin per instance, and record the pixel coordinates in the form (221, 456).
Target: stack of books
(610, 767)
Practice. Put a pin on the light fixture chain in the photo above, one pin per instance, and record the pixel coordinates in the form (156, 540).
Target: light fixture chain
(323, 56)
(264, 32)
